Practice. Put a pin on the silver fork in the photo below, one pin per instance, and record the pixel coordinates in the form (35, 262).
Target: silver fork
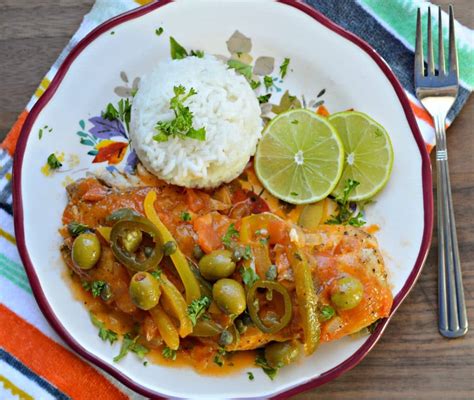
(437, 94)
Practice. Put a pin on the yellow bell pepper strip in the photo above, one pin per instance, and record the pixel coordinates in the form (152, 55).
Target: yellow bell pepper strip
(307, 299)
(165, 326)
(252, 304)
(173, 301)
(104, 231)
(190, 282)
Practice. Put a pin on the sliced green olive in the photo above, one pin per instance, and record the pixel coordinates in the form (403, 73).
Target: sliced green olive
(279, 354)
(217, 265)
(144, 290)
(229, 296)
(347, 293)
(86, 250)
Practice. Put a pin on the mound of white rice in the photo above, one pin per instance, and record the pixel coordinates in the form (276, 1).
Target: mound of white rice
(224, 104)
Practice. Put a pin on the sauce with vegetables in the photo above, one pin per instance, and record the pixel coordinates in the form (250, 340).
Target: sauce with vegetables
(218, 279)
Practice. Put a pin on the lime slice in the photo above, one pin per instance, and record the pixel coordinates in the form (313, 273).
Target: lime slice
(369, 153)
(300, 157)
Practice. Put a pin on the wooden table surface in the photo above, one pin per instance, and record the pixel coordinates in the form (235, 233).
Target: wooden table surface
(411, 360)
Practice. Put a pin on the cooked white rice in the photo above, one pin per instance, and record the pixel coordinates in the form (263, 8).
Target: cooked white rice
(224, 104)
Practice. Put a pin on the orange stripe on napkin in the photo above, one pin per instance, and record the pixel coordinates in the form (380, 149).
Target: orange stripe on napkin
(53, 362)
(9, 143)
(421, 113)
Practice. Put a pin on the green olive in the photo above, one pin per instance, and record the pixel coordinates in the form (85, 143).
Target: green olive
(86, 250)
(347, 293)
(132, 239)
(144, 290)
(217, 265)
(279, 354)
(229, 296)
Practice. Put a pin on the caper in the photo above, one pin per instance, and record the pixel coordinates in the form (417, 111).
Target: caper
(197, 252)
(226, 338)
(144, 290)
(229, 296)
(131, 240)
(241, 327)
(217, 265)
(106, 293)
(279, 354)
(169, 248)
(347, 293)
(86, 250)
(237, 254)
(148, 251)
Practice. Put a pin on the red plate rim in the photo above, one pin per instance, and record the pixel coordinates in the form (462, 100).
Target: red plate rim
(20, 228)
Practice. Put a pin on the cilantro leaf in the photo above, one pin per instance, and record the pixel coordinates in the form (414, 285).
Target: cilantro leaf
(75, 228)
(230, 235)
(284, 67)
(249, 276)
(268, 82)
(178, 52)
(241, 68)
(168, 353)
(53, 161)
(182, 124)
(104, 333)
(197, 308)
(261, 361)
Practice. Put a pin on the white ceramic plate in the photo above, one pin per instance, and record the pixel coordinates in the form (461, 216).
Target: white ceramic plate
(322, 56)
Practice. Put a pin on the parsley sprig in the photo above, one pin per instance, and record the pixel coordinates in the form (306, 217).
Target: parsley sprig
(130, 343)
(197, 308)
(230, 235)
(182, 124)
(168, 353)
(261, 361)
(345, 214)
(104, 333)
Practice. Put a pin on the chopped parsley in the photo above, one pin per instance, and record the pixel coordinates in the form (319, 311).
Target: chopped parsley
(345, 214)
(230, 235)
(218, 358)
(129, 343)
(182, 124)
(185, 216)
(264, 98)
(241, 68)
(261, 361)
(156, 274)
(268, 81)
(255, 84)
(53, 161)
(159, 31)
(75, 228)
(168, 353)
(248, 253)
(284, 67)
(197, 53)
(250, 375)
(271, 273)
(104, 333)
(121, 113)
(249, 276)
(327, 312)
(97, 287)
(197, 308)
(264, 241)
(177, 51)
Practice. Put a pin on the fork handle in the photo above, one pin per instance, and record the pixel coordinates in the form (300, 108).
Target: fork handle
(452, 308)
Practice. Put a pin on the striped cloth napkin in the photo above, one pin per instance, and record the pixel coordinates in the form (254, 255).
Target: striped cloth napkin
(34, 361)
